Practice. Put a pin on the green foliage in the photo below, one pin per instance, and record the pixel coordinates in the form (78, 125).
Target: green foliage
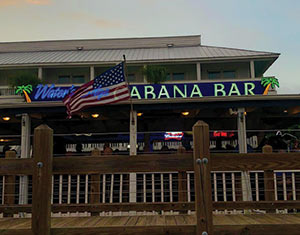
(22, 88)
(270, 80)
(24, 79)
(155, 74)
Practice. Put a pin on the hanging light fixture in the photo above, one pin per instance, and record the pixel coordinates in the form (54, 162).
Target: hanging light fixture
(185, 113)
(139, 114)
(6, 119)
(95, 115)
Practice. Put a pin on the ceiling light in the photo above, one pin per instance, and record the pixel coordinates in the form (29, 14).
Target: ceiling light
(285, 111)
(95, 115)
(6, 118)
(139, 114)
(185, 113)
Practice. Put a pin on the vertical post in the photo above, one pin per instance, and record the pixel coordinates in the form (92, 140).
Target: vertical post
(92, 73)
(198, 71)
(242, 138)
(252, 69)
(95, 184)
(182, 182)
(42, 180)
(132, 143)
(9, 186)
(40, 73)
(202, 168)
(269, 180)
(25, 153)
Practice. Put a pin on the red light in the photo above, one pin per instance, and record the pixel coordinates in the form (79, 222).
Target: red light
(223, 134)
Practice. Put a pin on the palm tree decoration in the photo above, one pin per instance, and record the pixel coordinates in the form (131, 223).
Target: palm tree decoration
(25, 90)
(269, 82)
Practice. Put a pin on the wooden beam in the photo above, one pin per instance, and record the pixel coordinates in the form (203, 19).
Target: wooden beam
(42, 180)
(123, 164)
(16, 166)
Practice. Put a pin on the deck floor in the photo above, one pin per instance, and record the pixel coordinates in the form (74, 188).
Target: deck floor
(160, 224)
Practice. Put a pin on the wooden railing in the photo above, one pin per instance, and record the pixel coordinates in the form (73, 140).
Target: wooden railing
(43, 166)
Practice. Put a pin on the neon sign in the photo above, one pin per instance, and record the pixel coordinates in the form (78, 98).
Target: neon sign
(165, 91)
(100, 92)
(223, 134)
(173, 135)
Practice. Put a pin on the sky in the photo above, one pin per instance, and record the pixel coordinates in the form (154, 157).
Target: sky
(266, 25)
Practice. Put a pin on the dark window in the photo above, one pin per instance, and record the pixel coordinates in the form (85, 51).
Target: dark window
(214, 75)
(131, 77)
(229, 74)
(78, 79)
(64, 80)
(178, 76)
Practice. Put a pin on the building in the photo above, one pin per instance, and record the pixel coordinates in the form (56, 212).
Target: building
(215, 84)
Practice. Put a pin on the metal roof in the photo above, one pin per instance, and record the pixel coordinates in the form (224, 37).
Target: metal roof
(139, 50)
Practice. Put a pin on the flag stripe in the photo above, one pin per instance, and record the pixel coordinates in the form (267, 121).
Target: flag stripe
(95, 100)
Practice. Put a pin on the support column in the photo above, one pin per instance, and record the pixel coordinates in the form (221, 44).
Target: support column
(40, 73)
(198, 71)
(133, 152)
(242, 139)
(92, 73)
(252, 69)
(25, 153)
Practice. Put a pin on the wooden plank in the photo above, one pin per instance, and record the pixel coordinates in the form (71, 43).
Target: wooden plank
(9, 185)
(16, 166)
(258, 229)
(123, 164)
(16, 232)
(202, 171)
(255, 161)
(42, 180)
(239, 205)
(100, 207)
(95, 184)
(182, 186)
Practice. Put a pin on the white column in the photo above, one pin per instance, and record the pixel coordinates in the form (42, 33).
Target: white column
(144, 76)
(92, 73)
(40, 73)
(133, 152)
(25, 153)
(252, 69)
(198, 71)
(242, 138)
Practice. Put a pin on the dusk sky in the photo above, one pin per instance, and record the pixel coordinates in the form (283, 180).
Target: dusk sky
(267, 25)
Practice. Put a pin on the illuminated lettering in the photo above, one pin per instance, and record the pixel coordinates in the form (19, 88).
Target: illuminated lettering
(234, 90)
(196, 91)
(149, 90)
(176, 89)
(163, 92)
(249, 90)
(219, 88)
(135, 93)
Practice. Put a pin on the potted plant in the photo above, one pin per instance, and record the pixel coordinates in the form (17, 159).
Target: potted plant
(155, 74)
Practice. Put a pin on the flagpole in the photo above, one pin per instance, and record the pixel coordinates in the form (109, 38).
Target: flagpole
(126, 79)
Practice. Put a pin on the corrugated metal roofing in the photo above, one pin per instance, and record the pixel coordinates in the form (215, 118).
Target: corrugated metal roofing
(185, 49)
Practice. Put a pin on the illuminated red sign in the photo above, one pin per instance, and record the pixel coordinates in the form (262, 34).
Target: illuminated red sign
(223, 134)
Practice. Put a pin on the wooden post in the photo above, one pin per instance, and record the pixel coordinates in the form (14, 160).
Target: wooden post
(95, 184)
(182, 186)
(269, 180)
(9, 186)
(42, 180)
(202, 168)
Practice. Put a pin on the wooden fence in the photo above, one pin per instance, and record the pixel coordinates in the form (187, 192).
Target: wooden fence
(43, 166)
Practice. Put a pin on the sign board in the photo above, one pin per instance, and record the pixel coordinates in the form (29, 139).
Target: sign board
(162, 91)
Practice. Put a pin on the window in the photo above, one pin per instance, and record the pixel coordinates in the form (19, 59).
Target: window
(214, 75)
(78, 79)
(178, 76)
(229, 74)
(64, 79)
(131, 77)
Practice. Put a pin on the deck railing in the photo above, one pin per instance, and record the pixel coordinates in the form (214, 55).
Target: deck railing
(165, 182)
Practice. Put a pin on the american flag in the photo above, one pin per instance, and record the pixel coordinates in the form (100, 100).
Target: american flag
(109, 87)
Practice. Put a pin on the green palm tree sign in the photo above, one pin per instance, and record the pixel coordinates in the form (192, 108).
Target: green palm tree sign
(268, 82)
(25, 90)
